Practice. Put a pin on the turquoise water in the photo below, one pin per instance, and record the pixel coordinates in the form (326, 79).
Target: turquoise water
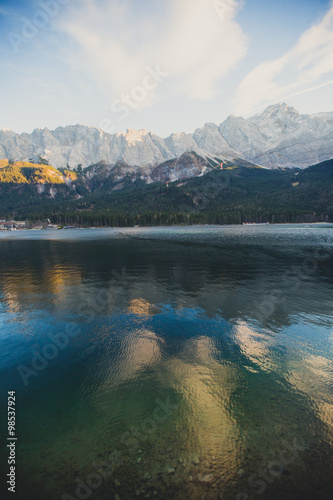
(172, 363)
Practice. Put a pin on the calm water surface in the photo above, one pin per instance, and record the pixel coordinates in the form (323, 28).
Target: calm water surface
(171, 363)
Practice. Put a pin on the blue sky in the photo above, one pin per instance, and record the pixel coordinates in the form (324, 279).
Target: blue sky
(163, 65)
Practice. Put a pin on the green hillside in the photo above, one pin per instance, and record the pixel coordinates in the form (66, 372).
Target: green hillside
(233, 195)
(29, 189)
(24, 172)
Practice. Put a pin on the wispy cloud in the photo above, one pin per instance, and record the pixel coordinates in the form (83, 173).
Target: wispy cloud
(307, 66)
(190, 40)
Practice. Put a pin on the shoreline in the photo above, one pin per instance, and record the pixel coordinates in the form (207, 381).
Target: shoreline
(249, 224)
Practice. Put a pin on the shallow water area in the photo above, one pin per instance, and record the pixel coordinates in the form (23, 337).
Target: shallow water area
(174, 363)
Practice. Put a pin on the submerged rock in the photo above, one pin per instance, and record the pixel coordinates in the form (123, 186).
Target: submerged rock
(208, 478)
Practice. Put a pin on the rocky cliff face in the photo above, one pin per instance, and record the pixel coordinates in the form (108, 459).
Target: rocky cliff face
(279, 136)
(293, 140)
(111, 177)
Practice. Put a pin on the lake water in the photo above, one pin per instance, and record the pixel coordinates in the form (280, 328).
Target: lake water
(169, 363)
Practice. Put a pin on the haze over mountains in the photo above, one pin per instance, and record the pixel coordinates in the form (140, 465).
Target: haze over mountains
(278, 137)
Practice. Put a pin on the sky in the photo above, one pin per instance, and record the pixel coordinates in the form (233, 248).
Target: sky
(162, 65)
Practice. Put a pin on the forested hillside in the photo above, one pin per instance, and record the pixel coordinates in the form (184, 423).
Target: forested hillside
(232, 195)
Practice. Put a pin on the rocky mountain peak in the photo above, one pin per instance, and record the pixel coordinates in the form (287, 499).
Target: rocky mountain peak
(279, 136)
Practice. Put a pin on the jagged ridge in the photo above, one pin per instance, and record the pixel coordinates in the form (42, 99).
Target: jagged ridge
(280, 136)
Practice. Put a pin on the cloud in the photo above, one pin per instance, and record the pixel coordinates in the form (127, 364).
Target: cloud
(197, 42)
(307, 66)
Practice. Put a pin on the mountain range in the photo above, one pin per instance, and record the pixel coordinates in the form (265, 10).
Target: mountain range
(239, 192)
(277, 137)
